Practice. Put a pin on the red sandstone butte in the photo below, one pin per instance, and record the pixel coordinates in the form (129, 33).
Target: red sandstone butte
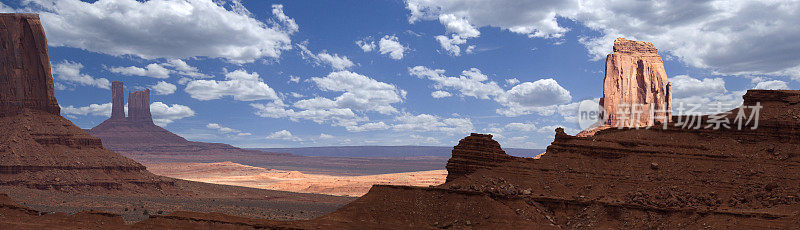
(25, 78)
(635, 75)
(39, 148)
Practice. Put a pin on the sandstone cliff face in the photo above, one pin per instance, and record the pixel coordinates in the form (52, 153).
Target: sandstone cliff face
(25, 78)
(476, 151)
(40, 149)
(635, 75)
(117, 101)
(139, 107)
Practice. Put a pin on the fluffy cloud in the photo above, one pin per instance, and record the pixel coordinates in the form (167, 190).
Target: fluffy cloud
(689, 91)
(471, 83)
(164, 88)
(368, 127)
(440, 94)
(433, 123)
(523, 127)
(93, 110)
(774, 85)
(221, 129)
(163, 114)
(152, 70)
(179, 66)
(704, 34)
(239, 84)
(360, 94)
(333, 60)
(283, 135)
(164, 28)
(540, 96)
(226, 130)
(366, 45)
(69, 73)
(391, 45)
(451, 45)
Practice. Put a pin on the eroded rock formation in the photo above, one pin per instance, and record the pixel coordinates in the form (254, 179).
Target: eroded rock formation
(137, 135)
(635, 85)
(25, 78)
(139, 107)
(476, 151)
(117, 101)
(39, 148)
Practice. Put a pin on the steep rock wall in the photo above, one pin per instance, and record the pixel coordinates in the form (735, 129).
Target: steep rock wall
(635, 76)
(25, 78)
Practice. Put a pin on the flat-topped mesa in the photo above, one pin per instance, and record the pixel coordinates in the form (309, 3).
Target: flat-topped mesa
(117, 100)
(139, 106)
(25, 78)
(474, 152)
(635, 86)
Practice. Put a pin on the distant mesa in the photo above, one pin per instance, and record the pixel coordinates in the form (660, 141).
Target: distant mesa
(635, 85)
(39, 148)
(137, 127)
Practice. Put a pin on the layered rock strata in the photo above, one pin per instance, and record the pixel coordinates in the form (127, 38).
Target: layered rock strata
(476, 151)
(39, 148)
(635, 86)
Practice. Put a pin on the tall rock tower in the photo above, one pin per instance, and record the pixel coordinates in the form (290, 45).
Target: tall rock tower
(25, 78)
(139, 107)
(117, 101)
(635, 86)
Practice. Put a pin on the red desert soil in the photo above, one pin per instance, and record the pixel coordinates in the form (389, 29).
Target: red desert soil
(230, 173)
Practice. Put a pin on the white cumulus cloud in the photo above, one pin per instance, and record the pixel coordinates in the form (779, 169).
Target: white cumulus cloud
(239, 84)
(69, 73)
(164, 88)
(164, 28)
(391, 45)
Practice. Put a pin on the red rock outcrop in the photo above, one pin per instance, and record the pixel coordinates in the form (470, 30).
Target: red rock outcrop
(117, 101)
(39, 148)
(25, 78)
(139, 107)
(476, 151)
(137, 135)
(635, 85)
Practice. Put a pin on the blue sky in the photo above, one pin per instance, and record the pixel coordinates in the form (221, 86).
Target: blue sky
(416, 72)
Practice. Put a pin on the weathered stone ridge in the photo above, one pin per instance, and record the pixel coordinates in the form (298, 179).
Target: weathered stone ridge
(474, 152)
(635, 85)
(139, 106)
(25, 78)
(117, 100)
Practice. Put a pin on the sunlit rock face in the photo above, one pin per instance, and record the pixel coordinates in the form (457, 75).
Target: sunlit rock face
(635, 86)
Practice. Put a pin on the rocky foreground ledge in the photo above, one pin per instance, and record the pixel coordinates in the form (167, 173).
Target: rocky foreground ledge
(619, 178)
